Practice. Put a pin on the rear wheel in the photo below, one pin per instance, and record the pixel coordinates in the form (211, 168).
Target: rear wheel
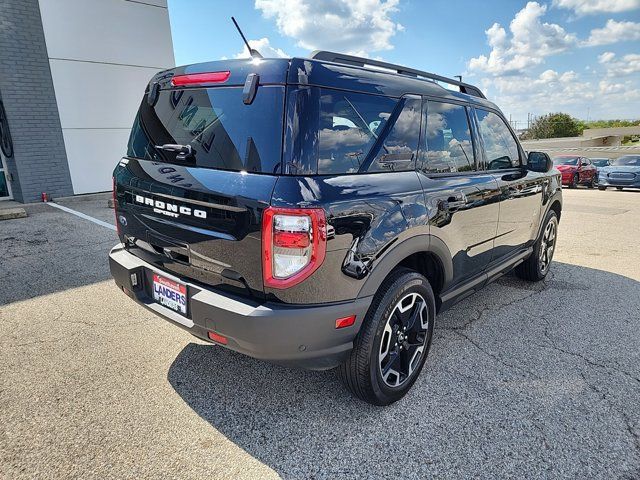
(393, 343)
(592, 183)
(536, 267)
(602, 188)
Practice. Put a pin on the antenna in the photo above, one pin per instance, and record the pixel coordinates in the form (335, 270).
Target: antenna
(253, 52)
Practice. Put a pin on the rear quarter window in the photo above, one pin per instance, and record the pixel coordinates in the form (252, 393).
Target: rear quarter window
(336, 132)
(349, 126)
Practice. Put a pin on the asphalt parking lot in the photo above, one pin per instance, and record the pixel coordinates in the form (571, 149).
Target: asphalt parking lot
(527, 381)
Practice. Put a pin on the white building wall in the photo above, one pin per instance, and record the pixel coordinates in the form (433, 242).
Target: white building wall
(102, 54)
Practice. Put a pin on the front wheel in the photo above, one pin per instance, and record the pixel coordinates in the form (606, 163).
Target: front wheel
(574, 181)
(536, 267)
(592, 183)
(601, 188)
(618, 188)
(393, 343)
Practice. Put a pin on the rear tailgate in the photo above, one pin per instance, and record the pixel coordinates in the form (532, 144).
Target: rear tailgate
(199, 214)
(208, 230)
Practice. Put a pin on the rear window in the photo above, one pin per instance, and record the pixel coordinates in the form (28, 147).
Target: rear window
(223, 132)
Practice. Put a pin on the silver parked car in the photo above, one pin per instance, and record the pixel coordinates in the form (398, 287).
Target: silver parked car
(599, 163)
(624, 172)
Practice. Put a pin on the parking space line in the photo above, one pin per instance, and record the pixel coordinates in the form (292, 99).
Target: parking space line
(82, 215)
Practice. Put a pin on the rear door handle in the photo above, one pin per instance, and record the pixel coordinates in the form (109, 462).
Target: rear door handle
(457, 201)
(454, 202)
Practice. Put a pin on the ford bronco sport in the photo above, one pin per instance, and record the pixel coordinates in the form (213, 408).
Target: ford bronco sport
(321, 211)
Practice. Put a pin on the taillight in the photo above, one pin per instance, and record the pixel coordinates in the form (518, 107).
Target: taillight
(200, 78)
(294, 243)
(115, 205)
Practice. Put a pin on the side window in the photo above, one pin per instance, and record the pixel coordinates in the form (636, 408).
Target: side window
(500, 147)
(349, 126)
(447, 146)
(398, 149)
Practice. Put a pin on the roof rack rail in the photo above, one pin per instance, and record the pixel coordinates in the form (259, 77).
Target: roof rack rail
(363, 62)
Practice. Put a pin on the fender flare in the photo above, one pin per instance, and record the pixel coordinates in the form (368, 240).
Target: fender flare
(420, 243)
(557, 196)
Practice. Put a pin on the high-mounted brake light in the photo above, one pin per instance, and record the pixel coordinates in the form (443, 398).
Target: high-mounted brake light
(294, 243)
(200, 78)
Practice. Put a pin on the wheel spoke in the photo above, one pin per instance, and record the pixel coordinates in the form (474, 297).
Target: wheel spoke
(385, 342)
(415, 314)
(415, 359)
(392, 368)
(394, 358)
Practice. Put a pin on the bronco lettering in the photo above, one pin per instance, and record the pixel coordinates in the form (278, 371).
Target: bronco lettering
(169, 209)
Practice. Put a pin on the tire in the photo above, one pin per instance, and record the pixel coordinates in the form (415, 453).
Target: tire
(574, 181)
(602, 188)
(536, 267)
(379, 344)
(592, 183)
(619, 188)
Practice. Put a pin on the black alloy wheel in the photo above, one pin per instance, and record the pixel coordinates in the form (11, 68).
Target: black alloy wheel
(403, 340)
(394, 340)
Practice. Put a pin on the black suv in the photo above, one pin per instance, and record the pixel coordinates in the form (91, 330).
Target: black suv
(320, 211)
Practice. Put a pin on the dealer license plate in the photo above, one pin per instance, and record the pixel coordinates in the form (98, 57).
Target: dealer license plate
(170, 294)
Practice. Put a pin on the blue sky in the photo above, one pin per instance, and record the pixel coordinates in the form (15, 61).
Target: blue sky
(576, 56)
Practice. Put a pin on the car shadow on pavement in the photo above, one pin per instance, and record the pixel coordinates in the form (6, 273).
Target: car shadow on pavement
(521, 377)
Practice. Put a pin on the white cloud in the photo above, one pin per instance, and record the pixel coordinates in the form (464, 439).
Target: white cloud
(615, 67)
(349, 26)
(530, 43)
(264, 47)
(586, 7)
(607, 87)
(553, 91)
(606, 57)
(613, 32)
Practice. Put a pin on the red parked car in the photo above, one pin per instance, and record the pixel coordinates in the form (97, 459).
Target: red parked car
(576, 170)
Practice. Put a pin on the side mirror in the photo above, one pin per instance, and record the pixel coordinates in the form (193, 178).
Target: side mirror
(539, 162)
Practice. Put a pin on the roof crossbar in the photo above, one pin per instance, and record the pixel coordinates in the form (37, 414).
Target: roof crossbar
(363, 62)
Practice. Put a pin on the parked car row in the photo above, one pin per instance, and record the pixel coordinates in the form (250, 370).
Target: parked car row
(623, 172)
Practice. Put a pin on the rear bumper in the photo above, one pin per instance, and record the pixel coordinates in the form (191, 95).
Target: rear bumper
(303, 336)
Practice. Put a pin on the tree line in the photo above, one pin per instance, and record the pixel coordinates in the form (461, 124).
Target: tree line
(557, 125)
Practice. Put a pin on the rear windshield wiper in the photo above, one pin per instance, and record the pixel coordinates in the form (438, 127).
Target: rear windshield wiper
(184, 152)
